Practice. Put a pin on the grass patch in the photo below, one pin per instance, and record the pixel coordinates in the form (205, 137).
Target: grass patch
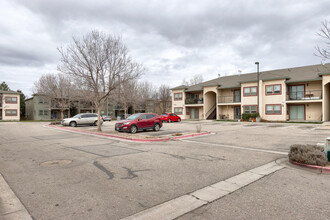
(226, 120)
(304, 122)
(177, 134)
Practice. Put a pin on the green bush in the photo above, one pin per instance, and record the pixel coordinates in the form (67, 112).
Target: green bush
(308, 154)
(254, 115)
(246, 116)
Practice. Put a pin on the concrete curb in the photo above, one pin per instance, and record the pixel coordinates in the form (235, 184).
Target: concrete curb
(11, 207)
(325, 170)
(127, 138)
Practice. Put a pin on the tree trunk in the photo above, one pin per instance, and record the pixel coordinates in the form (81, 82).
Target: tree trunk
(99, 119)
(61, 114)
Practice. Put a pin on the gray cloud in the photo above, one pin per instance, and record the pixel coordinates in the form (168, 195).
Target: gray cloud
(174, 39)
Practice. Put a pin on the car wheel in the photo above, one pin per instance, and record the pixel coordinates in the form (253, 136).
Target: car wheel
(73, 124)
(156, 127)
(133, 129)
(179, 120)
(169, 121)
(95, 123)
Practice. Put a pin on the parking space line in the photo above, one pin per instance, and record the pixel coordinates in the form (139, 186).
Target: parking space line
(179, 206)
(237, 147)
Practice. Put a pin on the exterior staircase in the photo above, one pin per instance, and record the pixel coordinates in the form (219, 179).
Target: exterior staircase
(213, 115)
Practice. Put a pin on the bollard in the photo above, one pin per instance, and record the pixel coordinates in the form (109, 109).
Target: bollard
(327, 148)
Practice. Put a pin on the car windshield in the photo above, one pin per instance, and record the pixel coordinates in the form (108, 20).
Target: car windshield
(133, 117)
(164, 114)
(76, 116)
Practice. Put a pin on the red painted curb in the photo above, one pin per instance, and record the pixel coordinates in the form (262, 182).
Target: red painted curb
(319, 168)
(126, 138)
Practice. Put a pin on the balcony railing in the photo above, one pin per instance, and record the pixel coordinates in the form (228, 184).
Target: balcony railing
(194, 101)
(229, 99)
(305, 95)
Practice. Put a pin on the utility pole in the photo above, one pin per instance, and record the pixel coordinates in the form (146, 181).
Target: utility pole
(257, 63)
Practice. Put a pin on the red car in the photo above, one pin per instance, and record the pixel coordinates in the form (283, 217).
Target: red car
(170, 117)
(138, 122)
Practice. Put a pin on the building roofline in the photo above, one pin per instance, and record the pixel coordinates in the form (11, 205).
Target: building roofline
(9, 92)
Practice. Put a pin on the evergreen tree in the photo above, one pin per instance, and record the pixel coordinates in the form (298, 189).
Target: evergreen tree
(4, 86)
(22, 103)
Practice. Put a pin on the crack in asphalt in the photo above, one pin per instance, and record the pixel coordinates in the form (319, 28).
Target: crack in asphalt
(131, 173)
(102, 168)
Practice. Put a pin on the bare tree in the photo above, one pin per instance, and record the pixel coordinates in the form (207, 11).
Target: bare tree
(58, 88)
(101, 62)
(324, 52)
(164, 96)
(129, 95)
(146, 91)
(197, 78)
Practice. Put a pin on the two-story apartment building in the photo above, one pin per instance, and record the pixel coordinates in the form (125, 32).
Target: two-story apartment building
(39, 107)
(295, 94)
(9, 105)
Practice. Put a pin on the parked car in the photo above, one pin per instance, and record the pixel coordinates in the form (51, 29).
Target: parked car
(170, 117)
(139, 122)
(124, 116)
(106, 118)
(81, 119)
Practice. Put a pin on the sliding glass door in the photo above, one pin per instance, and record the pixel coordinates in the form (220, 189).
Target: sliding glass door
(297, 112)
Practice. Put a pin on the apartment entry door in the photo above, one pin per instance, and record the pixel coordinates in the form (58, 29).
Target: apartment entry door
(297, 112)
(237, 110)
(194, 113)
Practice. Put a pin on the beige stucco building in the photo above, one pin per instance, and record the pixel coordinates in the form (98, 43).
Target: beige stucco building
(9, 106)
(293, 94)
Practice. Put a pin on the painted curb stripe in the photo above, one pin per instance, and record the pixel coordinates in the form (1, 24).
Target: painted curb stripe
(127, 138)
(179, 206)
(319, 168)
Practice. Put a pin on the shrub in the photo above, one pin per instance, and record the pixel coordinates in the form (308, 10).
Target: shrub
(246, 116)
(254, 115)
(308, 154)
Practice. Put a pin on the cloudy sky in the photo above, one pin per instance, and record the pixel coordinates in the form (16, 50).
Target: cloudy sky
(174, 39)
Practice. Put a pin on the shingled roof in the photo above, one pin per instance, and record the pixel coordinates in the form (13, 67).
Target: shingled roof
(8, 92)
(296, 74)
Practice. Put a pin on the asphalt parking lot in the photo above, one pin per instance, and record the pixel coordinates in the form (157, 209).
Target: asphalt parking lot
(63, 175)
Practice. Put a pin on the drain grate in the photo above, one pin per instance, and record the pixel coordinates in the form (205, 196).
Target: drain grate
(55, 163)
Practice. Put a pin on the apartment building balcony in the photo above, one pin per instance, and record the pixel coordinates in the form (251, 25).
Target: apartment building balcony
(194, 102)
(229, 100)
(304, 96)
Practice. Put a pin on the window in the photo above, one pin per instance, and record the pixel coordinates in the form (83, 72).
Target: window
(250, 91)
(250, 109)
(143, 117)
(273, 109)
(177, 96)
(11, 112)
(150, 116)
(12, 100)
(273, 89)
(43, 112)
(178, 111)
